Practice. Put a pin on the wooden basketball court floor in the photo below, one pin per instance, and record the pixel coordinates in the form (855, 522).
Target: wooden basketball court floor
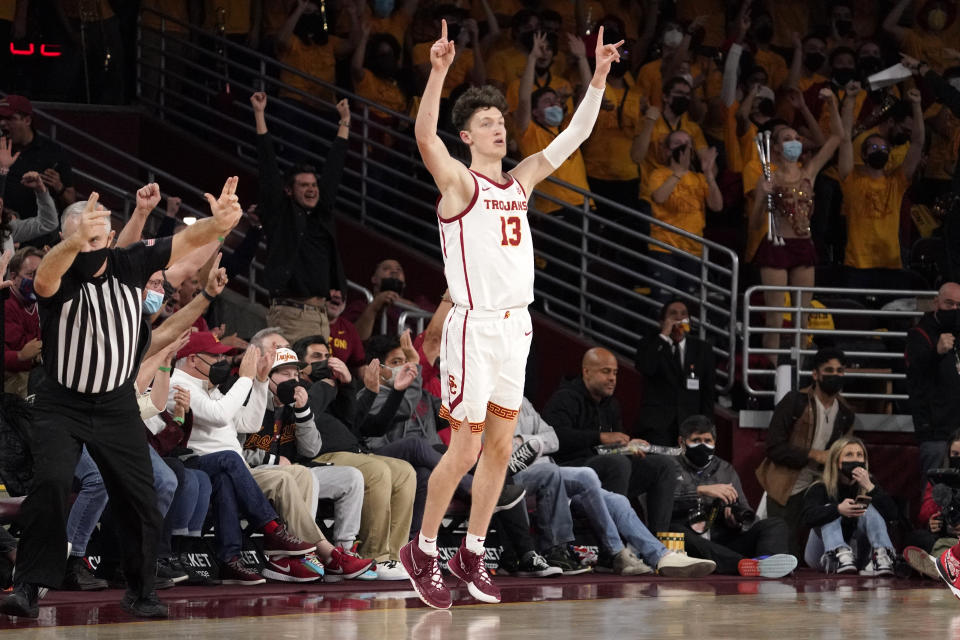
(804, 606)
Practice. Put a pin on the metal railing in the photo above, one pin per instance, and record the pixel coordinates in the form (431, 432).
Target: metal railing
(884, 331)
(599, 280)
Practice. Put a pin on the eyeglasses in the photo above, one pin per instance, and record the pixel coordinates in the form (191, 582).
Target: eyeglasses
(878, 147)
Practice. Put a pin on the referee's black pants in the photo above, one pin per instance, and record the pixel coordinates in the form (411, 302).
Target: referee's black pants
(110, 425)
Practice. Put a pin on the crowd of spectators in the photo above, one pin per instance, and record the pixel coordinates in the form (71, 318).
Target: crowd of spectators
(321, 407)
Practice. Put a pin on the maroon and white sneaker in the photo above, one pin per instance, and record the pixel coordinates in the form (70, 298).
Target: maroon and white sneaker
(425, 576)
(470, 568)
(949, 569)
(346, 564)
(233, 571)
(287, 569)
(283, 543)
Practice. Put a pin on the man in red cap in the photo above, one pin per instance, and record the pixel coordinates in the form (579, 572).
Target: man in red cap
(23, 149)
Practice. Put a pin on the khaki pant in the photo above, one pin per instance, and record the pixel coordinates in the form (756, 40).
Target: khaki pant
(16, 383)
(390, 485)
(290, 489)
(298, 323)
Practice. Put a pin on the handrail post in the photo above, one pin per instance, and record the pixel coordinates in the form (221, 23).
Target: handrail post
(252, 278)
(584, 247)
(162, 97)
(364, 169)
(704, 255)
(797, 335)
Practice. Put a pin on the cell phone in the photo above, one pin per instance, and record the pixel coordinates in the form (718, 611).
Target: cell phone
(864, 500)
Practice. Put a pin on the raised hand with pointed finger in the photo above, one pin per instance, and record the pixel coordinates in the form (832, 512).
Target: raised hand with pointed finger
(605, 55)
(443, 51)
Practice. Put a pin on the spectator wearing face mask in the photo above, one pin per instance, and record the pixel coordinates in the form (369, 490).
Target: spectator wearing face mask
(933, 379)
(289, 435)
(539, 116)
(469, 65)
(680, 196)
(21, 322)
(674, 47)
(804, 425)
(847, 510)
(375, 70)
(674, 117)
(388, 283)
(926, 41)
(506, 64)
(678, 372)
(545, 75)
(807, 62)
(872, 198)
(715, 516)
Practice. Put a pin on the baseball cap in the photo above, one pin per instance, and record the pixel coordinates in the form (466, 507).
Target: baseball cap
(284, 357)
(12, 104)
(203, 342)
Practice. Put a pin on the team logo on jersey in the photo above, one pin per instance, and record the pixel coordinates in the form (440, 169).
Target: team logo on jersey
(452, 384)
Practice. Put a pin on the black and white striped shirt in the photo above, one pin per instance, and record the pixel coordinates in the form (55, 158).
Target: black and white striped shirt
(92, 329)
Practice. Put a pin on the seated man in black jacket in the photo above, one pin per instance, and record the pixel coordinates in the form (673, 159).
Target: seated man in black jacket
(303, 264)
(584, 413)
(709, 494)
(678, 371)
(389, 483)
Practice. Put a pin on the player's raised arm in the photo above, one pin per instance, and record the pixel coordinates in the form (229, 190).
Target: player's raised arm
(446, 171)
(532, 170)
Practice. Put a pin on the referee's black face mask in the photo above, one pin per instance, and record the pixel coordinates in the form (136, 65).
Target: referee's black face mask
(87, 263)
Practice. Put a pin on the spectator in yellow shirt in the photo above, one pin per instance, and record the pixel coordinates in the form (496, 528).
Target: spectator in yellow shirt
(808, 61)
(506, 64)
(375, 67)
(926, 41)
(468, 65)
(872, 199)
(679, 197)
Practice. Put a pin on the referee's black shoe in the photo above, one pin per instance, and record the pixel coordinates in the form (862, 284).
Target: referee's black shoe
(144, 607)
(22, 602)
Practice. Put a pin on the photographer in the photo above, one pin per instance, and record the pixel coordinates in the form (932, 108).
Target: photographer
(847, 508)
(709, 500)
(936, 533)
(933, 379)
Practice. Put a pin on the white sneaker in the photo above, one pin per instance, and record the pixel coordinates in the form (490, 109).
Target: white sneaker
(680, 565)
(391, 570)
(880, 563)
(845, 561)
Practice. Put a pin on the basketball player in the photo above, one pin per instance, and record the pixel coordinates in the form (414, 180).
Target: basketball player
(488, 262)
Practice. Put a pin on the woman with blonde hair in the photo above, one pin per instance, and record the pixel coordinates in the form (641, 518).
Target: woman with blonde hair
(847, 513)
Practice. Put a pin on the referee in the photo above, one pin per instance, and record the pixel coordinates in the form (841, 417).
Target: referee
(94, 337)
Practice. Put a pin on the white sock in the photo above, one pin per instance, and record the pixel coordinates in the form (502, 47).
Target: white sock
(475, 544)
(427, 545)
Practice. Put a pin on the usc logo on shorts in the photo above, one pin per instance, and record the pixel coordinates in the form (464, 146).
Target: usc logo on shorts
(452, 384)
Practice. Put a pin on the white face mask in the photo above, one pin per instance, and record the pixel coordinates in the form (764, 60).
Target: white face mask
(672, 38)
(393, 375)
(955, 83)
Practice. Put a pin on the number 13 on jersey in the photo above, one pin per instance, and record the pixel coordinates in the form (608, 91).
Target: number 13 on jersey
(510, 228)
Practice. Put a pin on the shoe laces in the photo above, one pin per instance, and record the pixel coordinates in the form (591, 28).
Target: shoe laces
(312, 561)
(538, 561)
(432, 568)
(476, 567)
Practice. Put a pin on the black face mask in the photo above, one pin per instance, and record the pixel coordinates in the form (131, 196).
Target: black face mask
(900, 138)
(831, 384)
(320, 371)
(869, 65)
(844, 27)
(619, 69)
(699, 455)
(677, 152)
(392, 284)
(219, 372)
(877, 159)
(847, 467)
(765, 107)
(813, 61)
(453, 30)
(842, 76)
(679, 105)
(764, 33)
(87, 263)
(948, 319)
(310, 29)
(954, 462)
(384, 66)
(286, 389)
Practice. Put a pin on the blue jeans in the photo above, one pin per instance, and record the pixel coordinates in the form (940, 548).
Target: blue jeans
(89, 505)
(164, 482)
(630, 527)
(235, 493)
(871, 528)
(190, 502)
(548, 483)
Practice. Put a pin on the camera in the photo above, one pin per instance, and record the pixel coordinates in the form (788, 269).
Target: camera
(946, 493)
(703, 513)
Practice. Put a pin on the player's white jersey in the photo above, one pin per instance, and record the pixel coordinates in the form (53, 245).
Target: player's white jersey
(488, 249)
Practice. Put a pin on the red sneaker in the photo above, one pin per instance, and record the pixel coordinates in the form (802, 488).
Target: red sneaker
(283, 543)
(425, 576)
(346, 564)
(470, 568)
(949, 569)
(287, 569)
